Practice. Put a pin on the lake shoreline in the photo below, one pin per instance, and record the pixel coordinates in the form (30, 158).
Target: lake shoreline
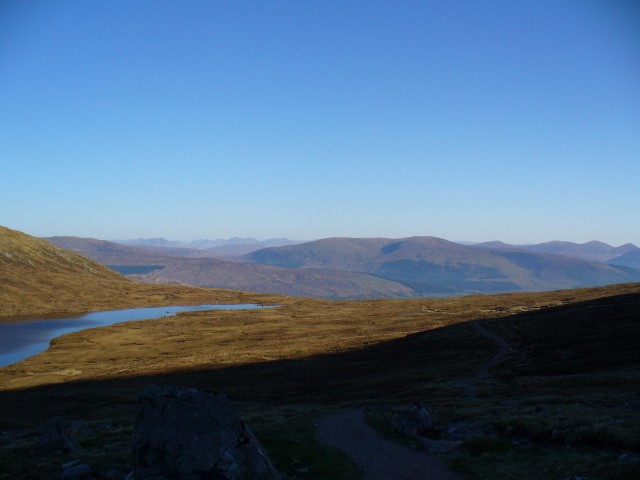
(26, 337)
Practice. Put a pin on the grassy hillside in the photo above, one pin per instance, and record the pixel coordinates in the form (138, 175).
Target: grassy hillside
(300, 328)
(36, 272)
(571, 369)
(562, 401)
(38, 277)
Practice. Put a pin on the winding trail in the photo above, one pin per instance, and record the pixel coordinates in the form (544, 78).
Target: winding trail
(468, 384)
(379, 458)
(382, 459)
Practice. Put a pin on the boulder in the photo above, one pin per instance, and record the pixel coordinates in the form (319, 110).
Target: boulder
(186, 433)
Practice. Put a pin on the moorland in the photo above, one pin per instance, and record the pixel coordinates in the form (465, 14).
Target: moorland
(563, 400)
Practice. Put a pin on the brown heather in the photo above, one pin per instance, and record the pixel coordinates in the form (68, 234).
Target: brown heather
(569, 349)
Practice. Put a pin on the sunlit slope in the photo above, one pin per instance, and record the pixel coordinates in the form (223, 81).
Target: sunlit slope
(22, 253)
(37, 277)
(33, 271)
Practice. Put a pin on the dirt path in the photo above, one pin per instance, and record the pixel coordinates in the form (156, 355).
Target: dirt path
(469, 388)
(503, 349)
(379, 458)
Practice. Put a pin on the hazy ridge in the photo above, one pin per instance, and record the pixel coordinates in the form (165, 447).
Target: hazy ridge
(434, 265)
(166, 267)
(593, 251)
(367, 267)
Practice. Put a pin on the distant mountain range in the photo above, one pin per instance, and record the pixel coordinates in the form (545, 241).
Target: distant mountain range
(371, 267)
(219, 247)
(593, 251)
(631, 259)
(173, 265)
(432, 265)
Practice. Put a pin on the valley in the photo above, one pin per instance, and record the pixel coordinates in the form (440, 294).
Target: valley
(570, 369)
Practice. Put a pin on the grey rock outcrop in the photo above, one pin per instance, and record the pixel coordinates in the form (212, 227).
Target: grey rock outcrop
(415, 420)
(188, 434)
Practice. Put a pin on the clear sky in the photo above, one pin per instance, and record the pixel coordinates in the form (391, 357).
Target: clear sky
(466, 120)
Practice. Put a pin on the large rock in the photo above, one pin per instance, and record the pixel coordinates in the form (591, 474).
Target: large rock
(187, 434)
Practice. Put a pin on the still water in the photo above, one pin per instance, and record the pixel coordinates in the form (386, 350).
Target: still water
(24, 338)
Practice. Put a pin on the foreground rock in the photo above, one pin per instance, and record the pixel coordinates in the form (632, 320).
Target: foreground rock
(185, 433)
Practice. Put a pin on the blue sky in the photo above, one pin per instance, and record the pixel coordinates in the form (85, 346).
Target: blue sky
(465, 120)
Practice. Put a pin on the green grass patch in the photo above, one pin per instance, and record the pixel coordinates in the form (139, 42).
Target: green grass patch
(288, 434)
(382, 423)
(101, 448)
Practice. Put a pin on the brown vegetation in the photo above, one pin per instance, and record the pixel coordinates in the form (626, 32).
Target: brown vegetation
(570, 377)
(297, 330)
(37, 277)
